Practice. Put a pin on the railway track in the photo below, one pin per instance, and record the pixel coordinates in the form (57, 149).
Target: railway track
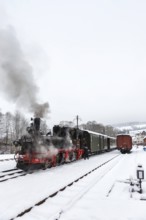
(76, 196)
(8, 159)
(15, 173)
(11, 174)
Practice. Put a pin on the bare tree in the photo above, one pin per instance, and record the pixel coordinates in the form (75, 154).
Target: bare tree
(100, 128)
(94, 126)
(19, 124)
(1, 125)
(8, 124)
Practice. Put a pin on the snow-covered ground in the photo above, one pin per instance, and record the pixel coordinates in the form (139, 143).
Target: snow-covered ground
(102, 195)
(6, 156)
(7, 162)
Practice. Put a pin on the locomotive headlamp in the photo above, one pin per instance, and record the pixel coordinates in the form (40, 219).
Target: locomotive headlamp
(140, 172)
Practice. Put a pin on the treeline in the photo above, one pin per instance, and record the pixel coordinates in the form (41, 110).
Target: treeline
(94, 126)
(100, 128)
(12, 127)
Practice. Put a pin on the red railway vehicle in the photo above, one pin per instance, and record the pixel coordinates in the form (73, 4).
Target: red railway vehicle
(124, 143)
(144, 141)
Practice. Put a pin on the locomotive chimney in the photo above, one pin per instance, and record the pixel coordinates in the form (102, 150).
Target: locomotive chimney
(37, 124)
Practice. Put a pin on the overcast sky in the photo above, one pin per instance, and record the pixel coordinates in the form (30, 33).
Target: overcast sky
(88, 57)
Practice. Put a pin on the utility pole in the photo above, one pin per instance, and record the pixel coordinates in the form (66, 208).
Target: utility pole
(77, 120)
(77, 131)
(77, 134)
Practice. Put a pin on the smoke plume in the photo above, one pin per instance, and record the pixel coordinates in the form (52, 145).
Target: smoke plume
(16, 75)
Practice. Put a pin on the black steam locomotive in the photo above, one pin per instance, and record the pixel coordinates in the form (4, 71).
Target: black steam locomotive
(64, 145)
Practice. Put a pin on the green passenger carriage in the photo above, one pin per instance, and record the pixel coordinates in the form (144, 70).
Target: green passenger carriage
(97, 142)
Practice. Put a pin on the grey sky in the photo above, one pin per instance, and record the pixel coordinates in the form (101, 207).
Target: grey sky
(88, 57)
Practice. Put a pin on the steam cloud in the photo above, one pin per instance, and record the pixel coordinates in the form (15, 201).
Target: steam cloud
(16, 75)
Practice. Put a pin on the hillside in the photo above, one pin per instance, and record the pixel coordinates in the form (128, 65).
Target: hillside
(131, 127)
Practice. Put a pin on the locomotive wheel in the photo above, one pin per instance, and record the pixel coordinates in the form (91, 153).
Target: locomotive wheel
(128, 152)
(60, 159)
(73, 156)
(47, 164)
(123, 151)
(22, 166)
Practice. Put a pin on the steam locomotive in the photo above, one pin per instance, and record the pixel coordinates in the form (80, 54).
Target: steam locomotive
(66, 144)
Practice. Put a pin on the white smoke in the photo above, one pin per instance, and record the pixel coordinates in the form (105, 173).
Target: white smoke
(44, 152)
(53, 151)
(68, 141)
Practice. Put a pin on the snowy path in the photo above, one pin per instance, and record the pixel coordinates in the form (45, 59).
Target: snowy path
(65, 199)
(102, 205)
(7, 162)
(23, 192)
(86, 199)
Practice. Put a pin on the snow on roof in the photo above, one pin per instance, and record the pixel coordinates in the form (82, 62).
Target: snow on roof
(96, 133)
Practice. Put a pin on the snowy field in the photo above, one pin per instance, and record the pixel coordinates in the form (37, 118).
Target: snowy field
(105, 194)
(6, 156)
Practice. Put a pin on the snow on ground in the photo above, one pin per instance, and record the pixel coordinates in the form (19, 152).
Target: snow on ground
(105, 194)
(6, 156)
(7, 164)
(118, 204)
